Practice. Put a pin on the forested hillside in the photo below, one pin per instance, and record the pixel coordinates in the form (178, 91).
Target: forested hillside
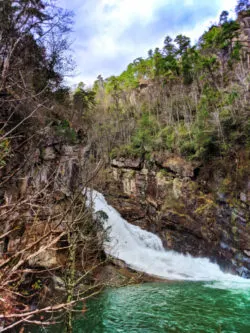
(167, 141)
(184, 98)
(174, 126)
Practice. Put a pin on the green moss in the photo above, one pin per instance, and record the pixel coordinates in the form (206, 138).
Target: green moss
(193, 187)
(37, 285)
(207, 207)
(171, 204)
(180, 214)
(234, 230)
(131, 174)
(163, 173)
(225, 185)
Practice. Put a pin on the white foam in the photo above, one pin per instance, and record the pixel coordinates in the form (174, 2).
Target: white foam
(144, 252)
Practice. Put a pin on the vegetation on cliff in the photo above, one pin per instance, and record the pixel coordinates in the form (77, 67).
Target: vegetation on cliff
(189, 100)
(175, 128)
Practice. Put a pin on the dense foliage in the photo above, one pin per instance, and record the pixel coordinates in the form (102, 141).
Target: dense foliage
(189, 99)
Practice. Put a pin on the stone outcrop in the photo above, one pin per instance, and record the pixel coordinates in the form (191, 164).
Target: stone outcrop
(38, 199)
(200, 210)
(175, 164)
(127, 163)
(244, 34)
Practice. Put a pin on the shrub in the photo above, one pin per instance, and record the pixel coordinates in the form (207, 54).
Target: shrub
(126, 151)
(64, 130)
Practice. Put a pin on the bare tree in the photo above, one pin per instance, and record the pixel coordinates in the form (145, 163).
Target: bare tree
(68, 231)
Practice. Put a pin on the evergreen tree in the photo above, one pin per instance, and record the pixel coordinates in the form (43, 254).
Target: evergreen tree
(33, 27)
(242, 5)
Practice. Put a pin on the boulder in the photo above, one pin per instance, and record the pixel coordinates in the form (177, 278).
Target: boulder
(127, 163)
(175, 164)
(47, 259)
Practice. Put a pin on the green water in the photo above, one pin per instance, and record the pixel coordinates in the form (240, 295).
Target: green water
(161, 307)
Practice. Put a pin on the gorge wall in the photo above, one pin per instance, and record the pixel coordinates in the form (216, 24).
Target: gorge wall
(196, 209)
(35, 202)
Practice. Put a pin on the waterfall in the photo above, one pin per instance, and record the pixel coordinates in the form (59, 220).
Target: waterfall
(144, 252)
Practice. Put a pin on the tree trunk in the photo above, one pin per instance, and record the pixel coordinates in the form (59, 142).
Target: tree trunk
(70, 281)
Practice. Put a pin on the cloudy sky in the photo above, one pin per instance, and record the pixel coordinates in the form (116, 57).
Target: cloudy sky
(109, 34)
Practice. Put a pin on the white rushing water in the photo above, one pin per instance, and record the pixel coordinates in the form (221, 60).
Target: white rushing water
(144, 252)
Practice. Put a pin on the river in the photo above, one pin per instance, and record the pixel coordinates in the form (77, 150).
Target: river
(165, 307)
(199, 298)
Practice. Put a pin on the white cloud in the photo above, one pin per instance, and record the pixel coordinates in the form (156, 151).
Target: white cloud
(101, 24)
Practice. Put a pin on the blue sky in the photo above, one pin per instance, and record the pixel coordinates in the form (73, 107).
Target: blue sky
(109, 34)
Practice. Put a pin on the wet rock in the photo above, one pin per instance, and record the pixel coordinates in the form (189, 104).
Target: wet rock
(243, 272)
(120, 263)
(247, 253)
(193, 213)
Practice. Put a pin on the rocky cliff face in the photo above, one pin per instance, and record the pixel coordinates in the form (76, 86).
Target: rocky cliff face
(202, 210)
(244, 34)
(35, 202)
